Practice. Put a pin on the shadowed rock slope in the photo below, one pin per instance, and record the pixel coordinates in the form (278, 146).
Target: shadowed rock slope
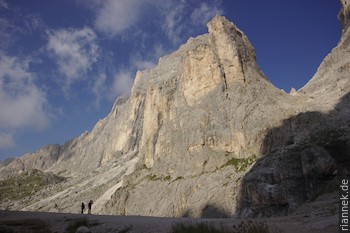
(191, 138)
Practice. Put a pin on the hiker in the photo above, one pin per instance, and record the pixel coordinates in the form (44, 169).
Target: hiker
(89, 206)
(82, 207)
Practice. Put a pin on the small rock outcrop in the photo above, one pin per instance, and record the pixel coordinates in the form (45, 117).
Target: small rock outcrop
(83, 229)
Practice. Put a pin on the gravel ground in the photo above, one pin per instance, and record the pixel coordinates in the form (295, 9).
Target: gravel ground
(21, 221)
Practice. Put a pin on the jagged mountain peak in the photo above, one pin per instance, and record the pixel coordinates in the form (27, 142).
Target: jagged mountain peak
(220, 27)
(222, 59)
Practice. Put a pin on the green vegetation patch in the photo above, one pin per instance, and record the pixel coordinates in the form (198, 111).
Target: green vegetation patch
(76, 223)
(26, 184)
(155, 178)
(26, 225)
(179, 178)
(240, 164)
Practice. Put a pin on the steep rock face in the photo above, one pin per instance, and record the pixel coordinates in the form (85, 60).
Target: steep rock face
(208, 109)
(112, 137)
(204, 100)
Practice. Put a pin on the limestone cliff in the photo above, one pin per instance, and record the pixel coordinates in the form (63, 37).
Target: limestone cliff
(221, 115)
(205, 134)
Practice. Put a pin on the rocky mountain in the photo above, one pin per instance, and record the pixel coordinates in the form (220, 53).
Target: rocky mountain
(205, 134)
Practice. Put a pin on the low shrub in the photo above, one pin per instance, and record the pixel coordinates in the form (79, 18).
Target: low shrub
(251, 227)
(242, 227)
(240, 164)
(195, 228)
(75, 224)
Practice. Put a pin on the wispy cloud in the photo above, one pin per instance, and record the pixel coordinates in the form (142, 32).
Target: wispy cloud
(204, 12)
(173, 25)
(139, 63)
(115, 16)
(74, 51)
(122, 84)
(3, 4)
(23, 105)
(99, 88)
(182, 18)
(15, 24)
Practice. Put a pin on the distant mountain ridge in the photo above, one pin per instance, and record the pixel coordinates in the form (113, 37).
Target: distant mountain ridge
(205, 134)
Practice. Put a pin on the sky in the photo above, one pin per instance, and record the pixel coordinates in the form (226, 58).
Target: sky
(63, 63)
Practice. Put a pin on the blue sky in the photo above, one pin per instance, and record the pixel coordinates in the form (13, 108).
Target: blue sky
(64, 62)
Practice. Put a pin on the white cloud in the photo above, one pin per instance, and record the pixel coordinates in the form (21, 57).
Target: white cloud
(23, 105)
(124, 78)
(122, 84)
(138, 63)
(119, 84)
(115, 16)
(74, 50)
